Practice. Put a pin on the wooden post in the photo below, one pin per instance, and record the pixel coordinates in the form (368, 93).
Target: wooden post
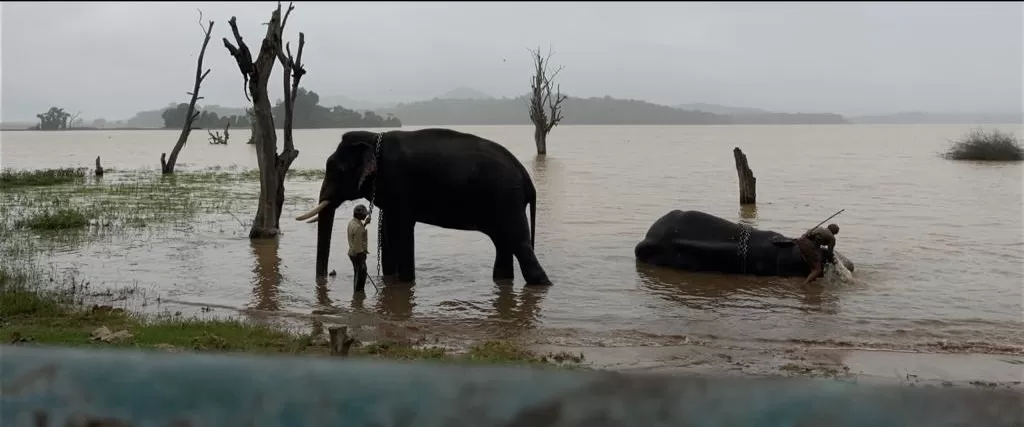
(340, 341)
(99, 168)
(748, 183)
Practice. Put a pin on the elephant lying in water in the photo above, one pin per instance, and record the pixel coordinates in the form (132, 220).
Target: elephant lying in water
(698, 241)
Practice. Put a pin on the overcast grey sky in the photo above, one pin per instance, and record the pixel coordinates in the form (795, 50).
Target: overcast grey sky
(113, 59)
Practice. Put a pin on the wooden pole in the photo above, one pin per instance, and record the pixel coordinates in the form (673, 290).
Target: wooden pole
(748, 183)
(341, 342)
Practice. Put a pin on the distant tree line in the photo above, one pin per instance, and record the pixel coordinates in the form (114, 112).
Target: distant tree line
(308, 114)
(56, 119)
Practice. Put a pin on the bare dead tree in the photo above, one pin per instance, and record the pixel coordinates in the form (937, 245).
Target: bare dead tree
(545, 100)
(71, 121)
(167, 163)
(217, 139)
(256, 75)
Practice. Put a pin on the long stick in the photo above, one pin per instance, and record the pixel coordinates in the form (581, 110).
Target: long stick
(375, 288)
(826, 219)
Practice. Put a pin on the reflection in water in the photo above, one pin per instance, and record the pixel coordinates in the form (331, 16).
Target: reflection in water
(323, 301)
(748, 215)
(267, 279)
(322, 298)
(514, 315)
(715, 291)
(547, 178)
(395, 299)
(358, 301)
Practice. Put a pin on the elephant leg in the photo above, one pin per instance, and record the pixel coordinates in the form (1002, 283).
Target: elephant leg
(531, 268)
(517, 234)
(404, 248)
(388, 264)
(503, 267)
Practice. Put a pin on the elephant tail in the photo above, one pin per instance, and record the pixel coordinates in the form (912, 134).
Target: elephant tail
(531, 198)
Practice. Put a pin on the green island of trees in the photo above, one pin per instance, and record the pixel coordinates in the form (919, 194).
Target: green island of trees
(309, 114)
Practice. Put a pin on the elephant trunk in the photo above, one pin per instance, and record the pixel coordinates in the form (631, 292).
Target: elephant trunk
(324, 228)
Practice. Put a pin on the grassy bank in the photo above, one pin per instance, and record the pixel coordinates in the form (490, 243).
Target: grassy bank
(37, 311)
(69, 208)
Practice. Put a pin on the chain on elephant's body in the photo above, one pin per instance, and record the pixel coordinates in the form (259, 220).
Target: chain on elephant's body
(373, 197)
(743, 245)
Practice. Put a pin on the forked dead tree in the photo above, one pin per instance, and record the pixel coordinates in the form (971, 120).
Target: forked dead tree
(545, 100)
(71, 121)
(217, 139)
(273, 166)
(748, 183)
(167, 163)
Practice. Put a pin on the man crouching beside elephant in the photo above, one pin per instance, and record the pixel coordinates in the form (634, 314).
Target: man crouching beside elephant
(810, 245)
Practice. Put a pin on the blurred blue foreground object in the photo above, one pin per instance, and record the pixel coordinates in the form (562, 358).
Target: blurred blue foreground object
(44, 386)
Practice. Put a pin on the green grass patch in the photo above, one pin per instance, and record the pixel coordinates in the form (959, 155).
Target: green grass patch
(61, 219)
(12, 179)
(990, 146)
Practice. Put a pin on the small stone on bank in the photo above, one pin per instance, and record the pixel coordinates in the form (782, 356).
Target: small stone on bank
(103, 334)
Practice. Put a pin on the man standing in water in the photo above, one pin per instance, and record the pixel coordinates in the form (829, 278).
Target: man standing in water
(357, 245)
(810, 245)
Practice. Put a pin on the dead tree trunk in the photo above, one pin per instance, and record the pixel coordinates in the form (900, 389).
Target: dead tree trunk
(545, 100)
(99, 168)
(748, 184)
(167, 163)
(273, 166)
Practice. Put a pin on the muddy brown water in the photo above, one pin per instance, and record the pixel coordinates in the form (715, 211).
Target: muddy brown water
(937, 244)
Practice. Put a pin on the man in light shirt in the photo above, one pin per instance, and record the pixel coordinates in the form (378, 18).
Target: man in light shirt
(357, 242)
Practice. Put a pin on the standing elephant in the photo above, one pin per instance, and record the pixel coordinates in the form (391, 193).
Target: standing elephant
(435, 176)
(698, 241)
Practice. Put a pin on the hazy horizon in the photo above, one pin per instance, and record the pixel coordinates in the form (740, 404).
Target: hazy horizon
(112, 60)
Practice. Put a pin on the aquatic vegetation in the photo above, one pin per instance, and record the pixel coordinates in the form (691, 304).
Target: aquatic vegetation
(11, 179)
(990, 146)
(60, 219)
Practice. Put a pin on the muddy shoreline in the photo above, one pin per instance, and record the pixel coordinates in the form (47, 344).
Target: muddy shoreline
(928, 367)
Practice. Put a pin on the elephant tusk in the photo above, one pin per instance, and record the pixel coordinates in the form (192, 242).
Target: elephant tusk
(314, 211)
(313, 219)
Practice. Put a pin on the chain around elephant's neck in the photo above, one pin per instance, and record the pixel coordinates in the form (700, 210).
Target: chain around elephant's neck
(373, 197)
(376, 173)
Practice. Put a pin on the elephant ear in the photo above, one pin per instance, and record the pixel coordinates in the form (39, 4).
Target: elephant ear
(369, 165)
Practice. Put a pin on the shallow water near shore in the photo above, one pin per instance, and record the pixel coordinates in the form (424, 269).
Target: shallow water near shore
(937, 244)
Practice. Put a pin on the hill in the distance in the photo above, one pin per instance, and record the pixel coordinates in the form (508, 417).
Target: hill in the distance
(363, 105)
(720, 109)
(465, 93)
(584, 111)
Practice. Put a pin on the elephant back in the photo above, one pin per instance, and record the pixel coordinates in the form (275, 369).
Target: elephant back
(693, 225)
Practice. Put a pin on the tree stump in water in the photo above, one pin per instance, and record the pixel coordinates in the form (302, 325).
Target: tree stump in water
(340, 341)
(748, 184)
(99, 168)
